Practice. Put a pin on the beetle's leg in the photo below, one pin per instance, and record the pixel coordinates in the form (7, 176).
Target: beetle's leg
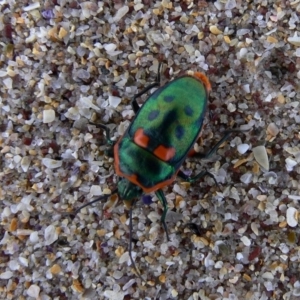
(207, 155)
(227, 133)
(130, 245)
(134, 103)
(161, 197)
(107, 132)
(103, 197)
(109, 143)
(196, 177)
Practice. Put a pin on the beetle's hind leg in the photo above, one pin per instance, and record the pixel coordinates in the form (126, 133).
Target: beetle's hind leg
(192, 179)
(134, 103)
(208, 155)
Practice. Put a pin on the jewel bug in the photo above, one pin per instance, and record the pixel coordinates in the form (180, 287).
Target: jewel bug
(149, 155)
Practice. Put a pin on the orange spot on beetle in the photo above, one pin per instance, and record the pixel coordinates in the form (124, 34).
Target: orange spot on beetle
(134, 179)
(204, 79)
(140, 138)
(164, 153)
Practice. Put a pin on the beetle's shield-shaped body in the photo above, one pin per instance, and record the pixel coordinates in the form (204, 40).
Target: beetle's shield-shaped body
(164, 130)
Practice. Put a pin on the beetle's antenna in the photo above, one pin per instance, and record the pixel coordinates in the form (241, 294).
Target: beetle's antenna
(158, 72)
(103, 197)
(130, 245)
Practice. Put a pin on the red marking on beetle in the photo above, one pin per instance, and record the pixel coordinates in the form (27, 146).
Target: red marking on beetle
(140, 138)
(134, 179)
(164, 153)
(204, 80)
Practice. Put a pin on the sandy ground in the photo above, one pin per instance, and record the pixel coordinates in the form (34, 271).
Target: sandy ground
(66, 66)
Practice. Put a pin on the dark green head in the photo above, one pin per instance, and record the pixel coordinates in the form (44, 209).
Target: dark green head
(128, 190)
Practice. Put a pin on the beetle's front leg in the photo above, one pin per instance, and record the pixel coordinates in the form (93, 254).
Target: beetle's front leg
(134, 103)
(161, 197)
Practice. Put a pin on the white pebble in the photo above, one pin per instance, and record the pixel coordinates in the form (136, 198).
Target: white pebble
(293, 150)
(6, 108)
(25, 163)
(96, 190)
(8, 83)
(17, 159)
(246, 88)
(246, 178)
(273, 129)
(231, 107)
(269, 286)
(33, 291)
(117, 274)
(50, 235)
(242, 32)
(218, 5)
(174, 293)
(138, 6)
(243, 52)
(32, 6)
(124, 258)
(114, 101)
(246, 241)
(112, 295)
(296, 291)
(239, 256)
(120, 13)
(234, 279)
(294, 197)
(208, 262)
(6, 275)
(48, 115)
(87, 102)
(173, 216)
(6, 212)
(5, 239)
(290, 163)
(189, 48)
(254, 228)
(153, 216)
(3, 73)
(23, 261)
(268, 98)
(128, 284)
(13, 265)
(292, 216)
(177, 189)
(34, 237)
(243, 148)
(51, 163)
(230, 4)
(294, 40)
(110, 47)
(261, 156)
(24, 231)
(268, 275)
